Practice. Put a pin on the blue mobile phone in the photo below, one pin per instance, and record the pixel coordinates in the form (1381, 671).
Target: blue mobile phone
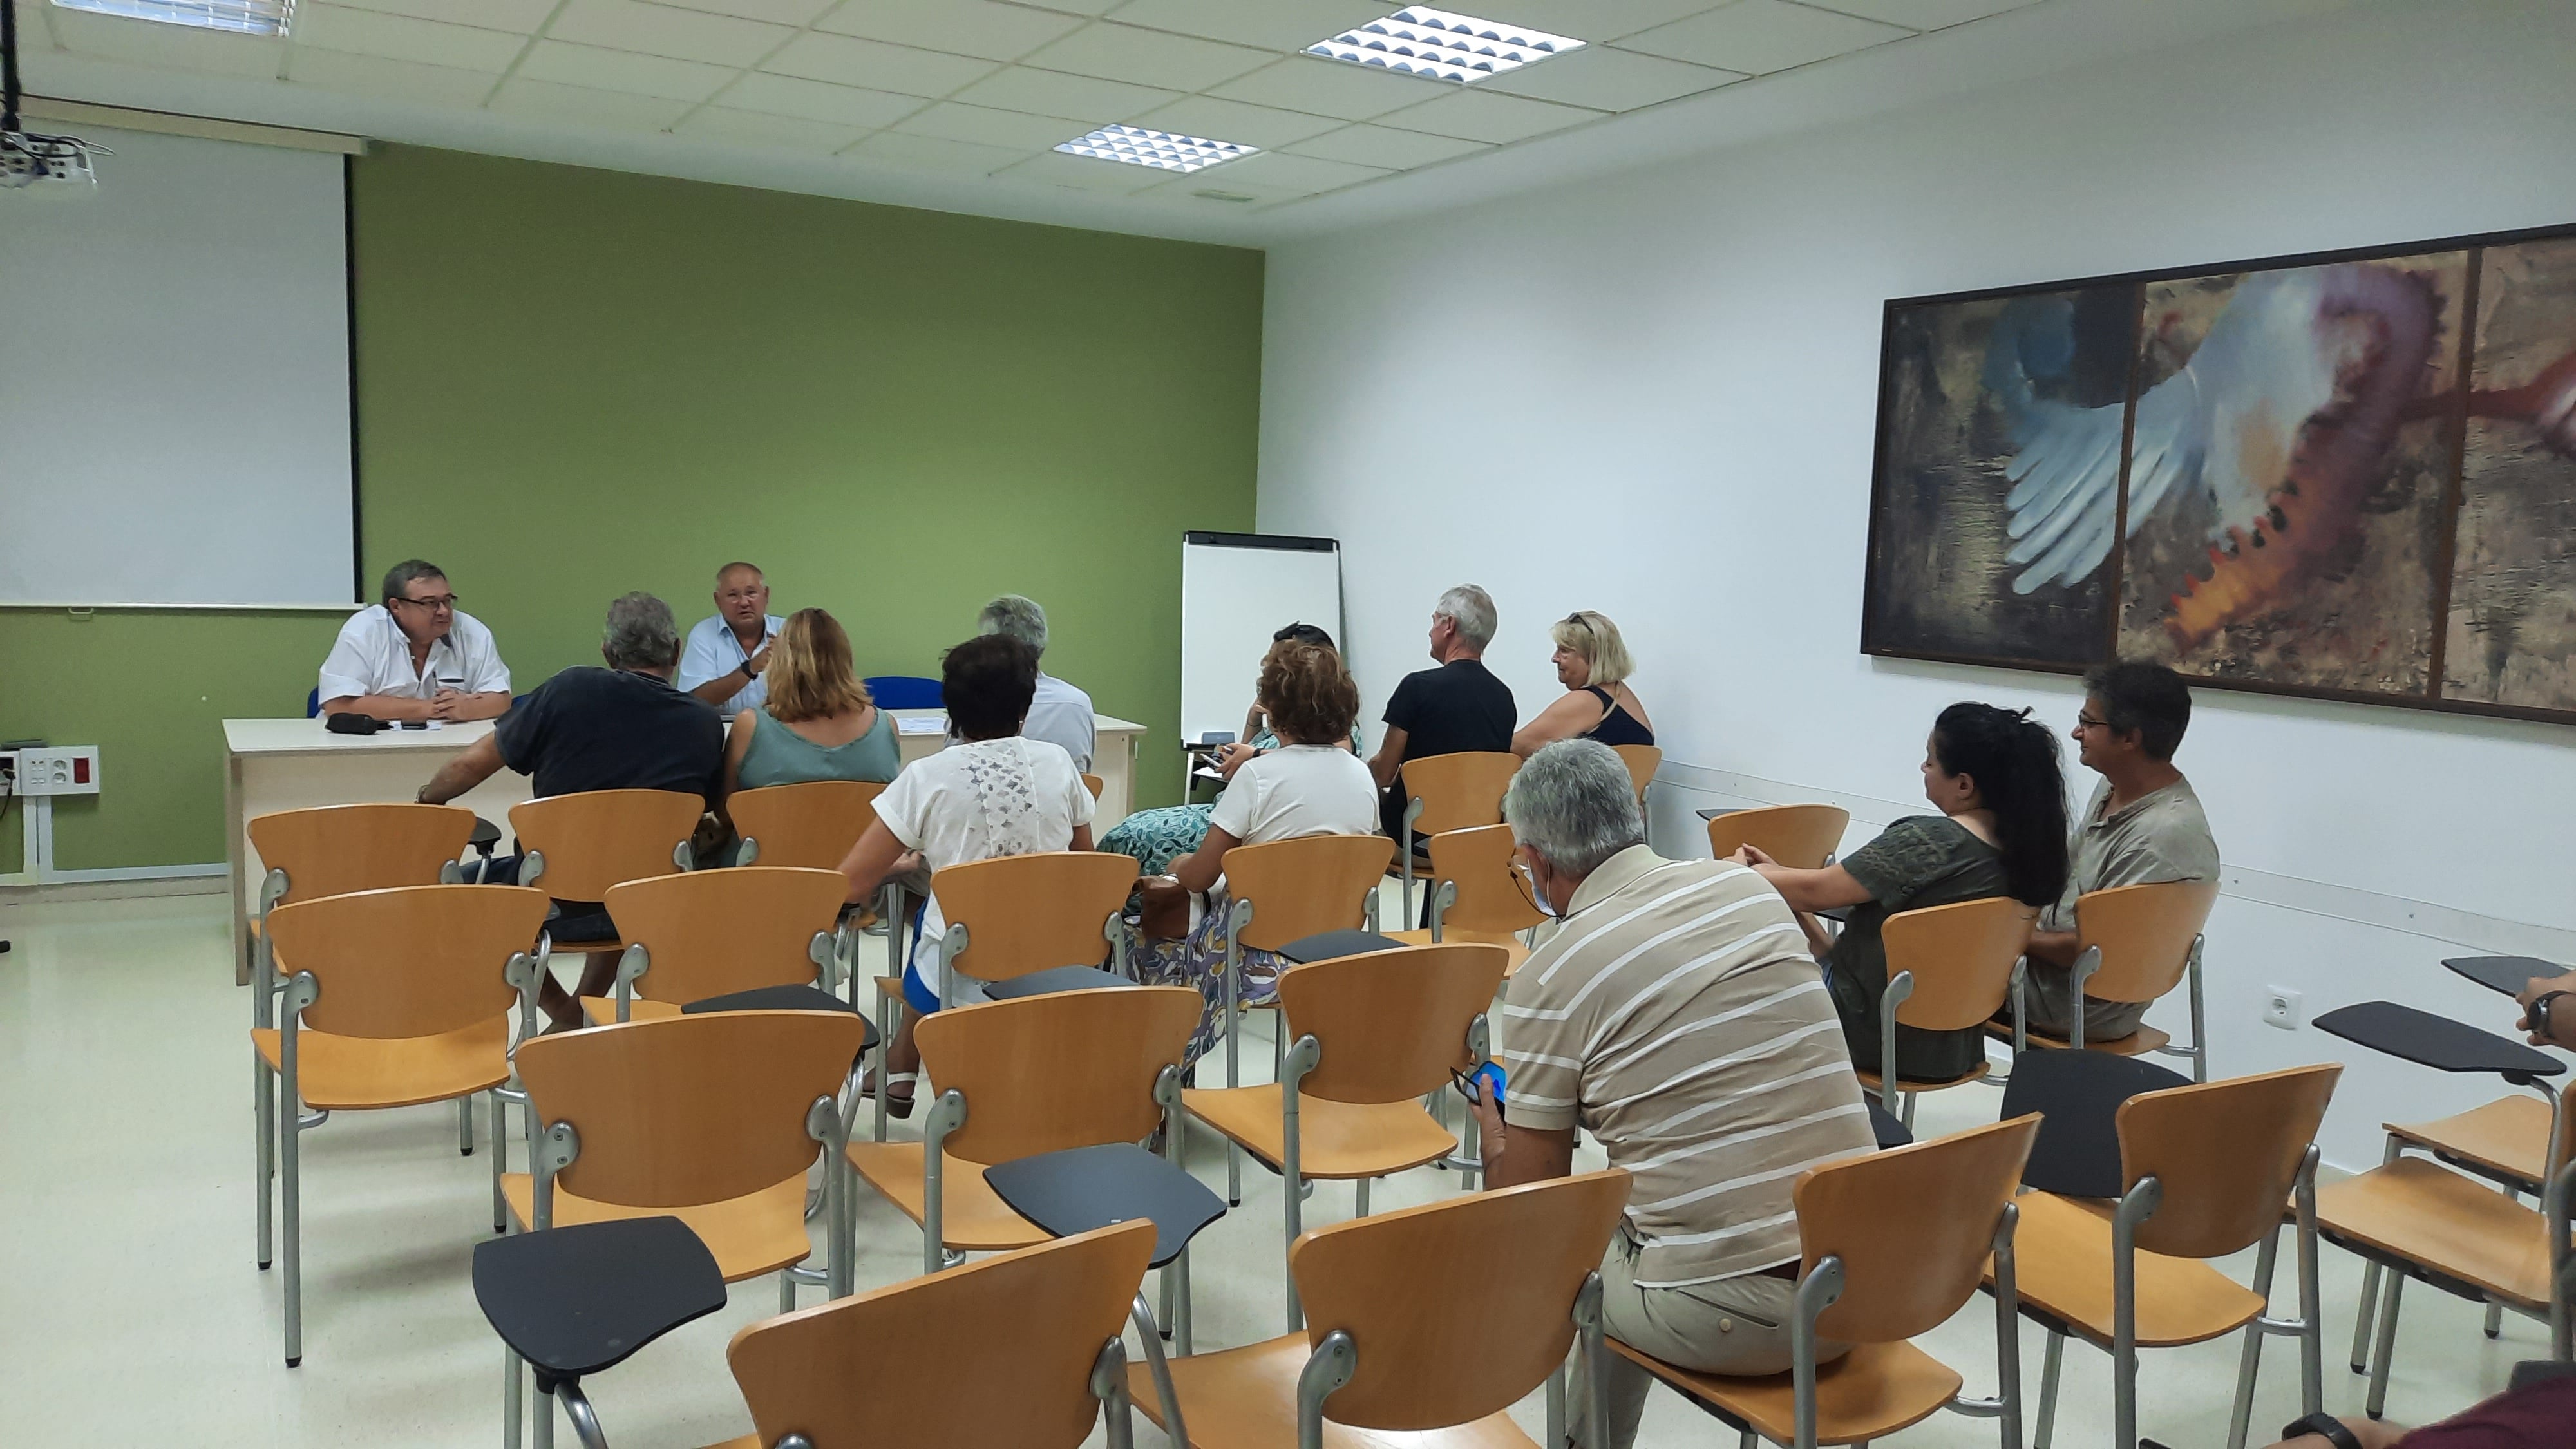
(1476, 1084)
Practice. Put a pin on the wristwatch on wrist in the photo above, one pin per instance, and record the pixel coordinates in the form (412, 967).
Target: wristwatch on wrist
(2538, 1012)
(2324, 1426)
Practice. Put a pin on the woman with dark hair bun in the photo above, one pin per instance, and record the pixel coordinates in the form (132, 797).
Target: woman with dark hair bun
(1993, 773)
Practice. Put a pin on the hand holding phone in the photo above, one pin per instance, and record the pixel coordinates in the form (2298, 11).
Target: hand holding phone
(1476, 1086)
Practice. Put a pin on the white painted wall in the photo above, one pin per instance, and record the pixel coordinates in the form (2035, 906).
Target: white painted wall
(1653, 395)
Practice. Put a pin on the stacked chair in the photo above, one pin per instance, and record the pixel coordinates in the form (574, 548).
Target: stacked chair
(1445, 793)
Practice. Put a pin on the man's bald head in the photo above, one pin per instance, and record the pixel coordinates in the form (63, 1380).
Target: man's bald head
(750, 573)
(742, 597)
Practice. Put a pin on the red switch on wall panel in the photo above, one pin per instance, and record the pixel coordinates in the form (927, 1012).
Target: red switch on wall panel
(80, 769)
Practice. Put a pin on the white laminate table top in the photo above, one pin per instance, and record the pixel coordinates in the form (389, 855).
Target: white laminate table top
(308, 737)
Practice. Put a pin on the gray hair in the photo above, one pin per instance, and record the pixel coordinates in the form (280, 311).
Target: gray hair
(1472, 610)
(1018, 617)
(1574, 803)
(640, 633)
(403, 575)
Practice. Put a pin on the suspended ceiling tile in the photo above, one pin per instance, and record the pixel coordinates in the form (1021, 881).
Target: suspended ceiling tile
(1925, 14)
(1278, 171)
(964, 27)
(756, 131)
(1211, 119)
(1368, 145)
(1076, 7)
(985, 126)
(1759, 37)
(781, 95)
(1053, 93)
(847, 60)
(1269, 24)
(1330, 88)
(1148, 57)
(524, 17)
(1053, 168)
(663, 30)
(180, 47)
(1482, 115)
(776, 12)
(400, 37)
(1610, 80)
(593, 68)
(1594, 22)
(1212, 194)
(370, 75)
(931, 153)
(609, 110)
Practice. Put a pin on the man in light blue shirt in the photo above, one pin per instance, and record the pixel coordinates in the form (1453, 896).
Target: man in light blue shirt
(1059, 713)
(726, 655)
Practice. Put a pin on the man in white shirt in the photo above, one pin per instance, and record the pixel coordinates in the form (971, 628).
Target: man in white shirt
(728, 653)
(1059, 713)
(414, 657)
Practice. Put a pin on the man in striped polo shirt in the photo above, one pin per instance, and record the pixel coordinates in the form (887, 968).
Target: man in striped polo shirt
(1678, 1017)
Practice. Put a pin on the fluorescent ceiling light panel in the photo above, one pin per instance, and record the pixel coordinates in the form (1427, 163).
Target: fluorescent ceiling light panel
(237, 17)
(1443, 45)
(1160, 149)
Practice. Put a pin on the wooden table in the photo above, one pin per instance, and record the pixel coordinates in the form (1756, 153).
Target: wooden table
(294, 764)
(1113, 757)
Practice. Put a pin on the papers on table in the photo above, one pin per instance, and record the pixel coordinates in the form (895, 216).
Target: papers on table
(922, 724)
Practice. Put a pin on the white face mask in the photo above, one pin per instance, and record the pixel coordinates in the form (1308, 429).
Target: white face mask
(1537, 897)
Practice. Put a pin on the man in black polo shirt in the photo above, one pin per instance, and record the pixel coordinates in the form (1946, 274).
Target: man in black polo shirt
(1457, 707)
(620, 728)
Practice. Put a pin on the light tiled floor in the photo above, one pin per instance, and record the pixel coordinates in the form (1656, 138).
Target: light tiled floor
(130, 1309)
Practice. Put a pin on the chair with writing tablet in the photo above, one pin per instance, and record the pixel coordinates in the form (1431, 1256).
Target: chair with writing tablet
(2135, 943)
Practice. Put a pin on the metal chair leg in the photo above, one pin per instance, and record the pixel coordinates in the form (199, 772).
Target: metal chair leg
(465, 1126)
(1362, 1196)
(2241, 1413)
(1233, 1067)
(500, 1155)
(2048, 1367)
(264, 1114)
(512, 1411)
(2361, 1318)
(786, 1292)
(1151, 1337)
(2387, 1347)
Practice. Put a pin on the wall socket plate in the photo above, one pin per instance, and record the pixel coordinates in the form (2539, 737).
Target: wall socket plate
(2284, 1008)
(57, 770)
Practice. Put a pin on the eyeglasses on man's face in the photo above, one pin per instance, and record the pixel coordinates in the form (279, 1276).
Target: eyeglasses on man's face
(438, 604)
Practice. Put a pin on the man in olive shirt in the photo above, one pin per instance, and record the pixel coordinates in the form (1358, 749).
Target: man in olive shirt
(1679, 1019)
(2143, 825)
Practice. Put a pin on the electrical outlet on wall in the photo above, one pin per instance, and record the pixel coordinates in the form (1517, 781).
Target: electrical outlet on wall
(2284, 1008)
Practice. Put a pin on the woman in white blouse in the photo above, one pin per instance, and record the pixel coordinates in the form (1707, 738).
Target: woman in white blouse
(1310, 785)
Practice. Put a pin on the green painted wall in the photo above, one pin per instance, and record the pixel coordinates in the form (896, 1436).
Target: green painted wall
(572, 383)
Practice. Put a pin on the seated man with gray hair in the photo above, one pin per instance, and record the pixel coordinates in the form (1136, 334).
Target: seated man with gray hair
(1059, 714)
(1677, 1016)
(623, 727)
(1457, 707)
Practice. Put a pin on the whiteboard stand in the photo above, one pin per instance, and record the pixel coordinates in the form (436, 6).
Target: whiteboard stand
(1237, 590)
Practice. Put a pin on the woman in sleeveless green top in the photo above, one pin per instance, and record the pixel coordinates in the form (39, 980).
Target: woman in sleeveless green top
(819, 723)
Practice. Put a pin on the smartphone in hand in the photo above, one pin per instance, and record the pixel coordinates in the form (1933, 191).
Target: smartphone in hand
(1476, 1084)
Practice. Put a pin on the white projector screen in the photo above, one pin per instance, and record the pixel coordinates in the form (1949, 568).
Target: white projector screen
(174, 380)
(1237, 589)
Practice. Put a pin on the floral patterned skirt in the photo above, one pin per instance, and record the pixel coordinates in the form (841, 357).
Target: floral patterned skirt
(1198, 960)
(1158, 837)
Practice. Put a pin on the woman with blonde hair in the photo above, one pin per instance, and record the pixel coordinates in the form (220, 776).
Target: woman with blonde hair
(1592, 663)
(1308, 784)
(818, 723)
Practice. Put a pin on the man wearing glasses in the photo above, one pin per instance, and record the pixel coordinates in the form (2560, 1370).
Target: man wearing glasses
(414, 656)
(2143, 825)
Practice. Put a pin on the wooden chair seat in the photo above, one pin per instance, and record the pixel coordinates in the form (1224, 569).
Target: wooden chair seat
(974, 1218)
(757, 1233)
(1868, 1393)
(2455, 1225)
(1869, 1081)
(2508, 1137)
(602, 1010)
(362, 1073)
(1516, 953)
(1337, 1140)
(1246, 1398)
(2062, 1253)
(2136, 1044)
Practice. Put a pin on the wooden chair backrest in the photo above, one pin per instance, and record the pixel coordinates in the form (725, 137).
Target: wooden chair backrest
(1459, 790)
(2145, 932)
(1642, 762)
(1093, 783)
(2227, 1154)
(689, 1109)
(1797, 836)
(1913, 1226)
(710, 932)
(1961, 955)
(1446, 1334)
(811, 824)
(1065, 1069)
(331, 850)
(1025, 913)
(601, 838)
(996, 1354)
(1303, 887)
(408, 961)
(1480, 861)
(1392, 1023)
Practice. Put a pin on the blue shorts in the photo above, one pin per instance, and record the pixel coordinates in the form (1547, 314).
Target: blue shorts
(921, 998)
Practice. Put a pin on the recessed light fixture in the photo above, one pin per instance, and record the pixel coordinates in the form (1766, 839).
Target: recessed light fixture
(1443, 45)
(238, 17)
(1159, 149)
